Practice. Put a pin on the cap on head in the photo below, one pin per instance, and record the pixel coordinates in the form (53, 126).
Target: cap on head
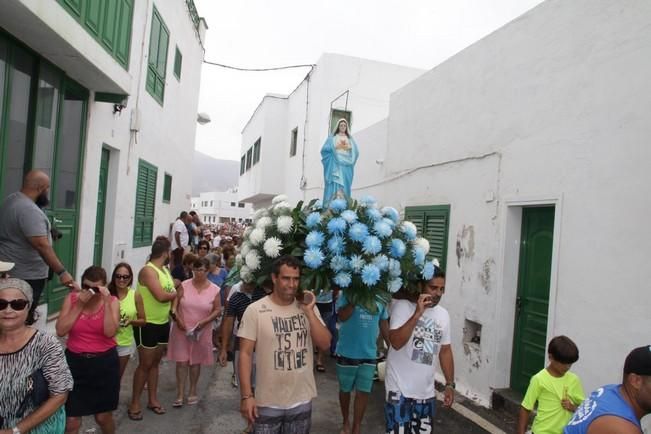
(638, 361)
(19, 284)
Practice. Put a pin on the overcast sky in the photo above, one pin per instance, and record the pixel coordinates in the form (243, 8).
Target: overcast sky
(266, 33)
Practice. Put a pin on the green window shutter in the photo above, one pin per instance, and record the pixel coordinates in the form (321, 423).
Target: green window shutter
(433, 223)
(242, 165)
(109, 22)
(178, 61)
(249, 158)
(143, 227)
(157, 63)
(256, 150)
(167, 188)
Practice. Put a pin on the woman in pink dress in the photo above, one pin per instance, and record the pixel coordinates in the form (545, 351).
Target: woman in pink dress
(190, 346)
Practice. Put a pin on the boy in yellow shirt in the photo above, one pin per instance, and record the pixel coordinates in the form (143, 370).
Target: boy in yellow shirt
(557, 391)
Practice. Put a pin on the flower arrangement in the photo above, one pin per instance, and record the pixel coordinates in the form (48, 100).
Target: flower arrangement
(365, 250)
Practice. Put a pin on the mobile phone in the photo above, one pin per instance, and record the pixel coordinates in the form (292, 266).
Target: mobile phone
(92, 291)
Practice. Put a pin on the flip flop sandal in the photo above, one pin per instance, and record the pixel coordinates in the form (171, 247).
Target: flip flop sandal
(178, 403)
(134, 415)
(156, 409)
(193, 400)
(320, 368)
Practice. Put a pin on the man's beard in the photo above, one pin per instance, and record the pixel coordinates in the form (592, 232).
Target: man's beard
(42, 200)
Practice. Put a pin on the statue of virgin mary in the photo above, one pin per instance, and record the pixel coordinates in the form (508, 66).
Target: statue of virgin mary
(338, 156)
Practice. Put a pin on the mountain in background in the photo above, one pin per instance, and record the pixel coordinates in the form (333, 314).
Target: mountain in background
(211, 174)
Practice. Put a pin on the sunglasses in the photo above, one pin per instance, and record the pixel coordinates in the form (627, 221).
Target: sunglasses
(87, 286)
(18, 304)
(123, 276)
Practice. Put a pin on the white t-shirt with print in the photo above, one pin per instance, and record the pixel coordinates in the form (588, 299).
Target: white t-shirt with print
(410, 370)
(179, 226)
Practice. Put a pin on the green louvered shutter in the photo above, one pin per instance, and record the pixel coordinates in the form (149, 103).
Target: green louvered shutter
(433, 224)
(143, 228)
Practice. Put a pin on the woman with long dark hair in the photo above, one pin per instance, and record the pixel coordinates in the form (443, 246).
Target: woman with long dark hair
(132, 312)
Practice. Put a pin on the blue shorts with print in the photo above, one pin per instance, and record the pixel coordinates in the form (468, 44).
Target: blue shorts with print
(408, 416)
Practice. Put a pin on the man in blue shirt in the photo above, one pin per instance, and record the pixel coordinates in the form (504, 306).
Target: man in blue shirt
(618, 408)
(357, 356)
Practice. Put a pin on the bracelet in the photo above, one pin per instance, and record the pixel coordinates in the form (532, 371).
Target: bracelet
(451, 385)
(61, 272)
(245, 397)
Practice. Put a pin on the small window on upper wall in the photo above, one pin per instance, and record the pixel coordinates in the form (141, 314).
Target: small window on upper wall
(167, 188)
(243, 165)
(178, 61)
(293, 141)
(232, 203)
(249, 158)
(256, 150)
(241, 205)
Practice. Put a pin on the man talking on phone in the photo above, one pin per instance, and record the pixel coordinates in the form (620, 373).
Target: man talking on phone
(419, 332)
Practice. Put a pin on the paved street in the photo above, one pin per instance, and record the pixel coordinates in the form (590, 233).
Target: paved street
(218, 410)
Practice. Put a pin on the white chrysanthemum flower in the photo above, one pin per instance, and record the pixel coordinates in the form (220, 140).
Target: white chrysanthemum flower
(246, 248)
(284, 224)
(422, 243)
(247, 232)
(278, 199)
(252, 260)
(435, 261)
(272, 247)
(264, 222)
(262, 212)
(256, 237)
(239, 261)
(245, 274)
(282, 208)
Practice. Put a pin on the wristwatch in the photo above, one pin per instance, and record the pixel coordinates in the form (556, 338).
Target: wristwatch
(60, 273)
(452, 385)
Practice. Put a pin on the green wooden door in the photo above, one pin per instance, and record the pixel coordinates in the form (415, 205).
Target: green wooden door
(101, 207)
(532, 305)
(66, 184)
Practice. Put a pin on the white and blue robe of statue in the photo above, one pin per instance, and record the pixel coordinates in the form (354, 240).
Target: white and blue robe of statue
(338, 169)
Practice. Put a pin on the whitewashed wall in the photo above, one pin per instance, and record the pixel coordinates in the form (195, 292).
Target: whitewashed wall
(553, 108)
(165, 139)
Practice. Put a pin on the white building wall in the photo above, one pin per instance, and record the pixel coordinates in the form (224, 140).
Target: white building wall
(165, 139)
(550, 109)
(369, 84)
(214, 206)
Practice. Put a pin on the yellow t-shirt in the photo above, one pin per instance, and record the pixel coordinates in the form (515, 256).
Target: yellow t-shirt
(548, 391)
(155, 311)
(283, 351)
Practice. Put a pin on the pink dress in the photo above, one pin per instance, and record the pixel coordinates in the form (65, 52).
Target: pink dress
(194, 306)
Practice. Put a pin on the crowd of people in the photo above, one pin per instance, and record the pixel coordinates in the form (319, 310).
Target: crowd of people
(179, 306)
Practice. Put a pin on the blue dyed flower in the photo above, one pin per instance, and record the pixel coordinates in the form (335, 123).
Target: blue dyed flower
(358, 232)
(389, 222)
(409, 229)
(395, 285)
(391, 213)
(338, 205)
(337, 225)
(350, 216)
(357, 263)
(381, 262)
(313, 257)
(314, 239)
(367, 201)
(419, 256)
(372, 245)
(312, 220)
(374, 214)
(428, 271)
(338, 263)
(342, 280)
(398, 248)
(382, 229)
(394, 268)
(370, 275)
(336, 245)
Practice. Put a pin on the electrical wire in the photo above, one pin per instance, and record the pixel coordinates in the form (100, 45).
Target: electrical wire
(277, 68)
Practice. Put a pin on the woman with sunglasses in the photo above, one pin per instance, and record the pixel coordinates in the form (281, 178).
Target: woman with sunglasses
(203, 248)
(197, 305)
(23, 351)
(91, 318)
(132, 312)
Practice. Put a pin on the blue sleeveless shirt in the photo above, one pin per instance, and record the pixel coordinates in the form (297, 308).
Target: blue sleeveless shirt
(605, 401)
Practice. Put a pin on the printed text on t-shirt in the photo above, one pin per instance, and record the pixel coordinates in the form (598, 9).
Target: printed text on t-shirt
(292, 336)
